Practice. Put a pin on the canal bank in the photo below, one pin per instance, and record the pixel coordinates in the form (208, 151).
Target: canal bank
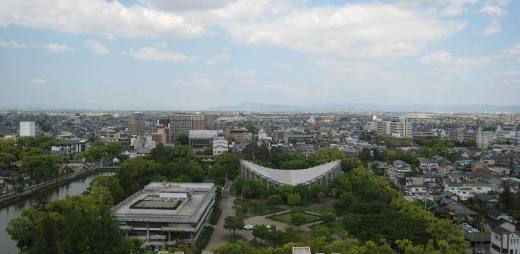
(16, 197)
(76, 186)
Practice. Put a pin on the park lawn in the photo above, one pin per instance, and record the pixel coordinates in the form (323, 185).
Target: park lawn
(325, 208)
(256, 207)
(286, 217)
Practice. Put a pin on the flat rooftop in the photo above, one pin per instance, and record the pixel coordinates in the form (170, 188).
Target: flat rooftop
(167, 202)
(301, 250)
(156, 204)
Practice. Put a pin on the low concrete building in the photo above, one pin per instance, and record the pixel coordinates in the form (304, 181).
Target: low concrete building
(466, 191)
(200, 139)
(165, 214)
(220, 146)
(505, 239)
(70, 147)
(301, 250)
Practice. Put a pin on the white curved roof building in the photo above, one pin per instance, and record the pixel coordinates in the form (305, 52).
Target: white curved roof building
(323, 174)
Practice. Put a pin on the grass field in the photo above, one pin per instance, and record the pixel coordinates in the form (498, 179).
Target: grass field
(256, 207)
(286, 217)
(322, 209)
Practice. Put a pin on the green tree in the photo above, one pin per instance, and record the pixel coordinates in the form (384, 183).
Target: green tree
(111, 183)
(227, 164)
(39, 167)
(103, 151)
(79, 224)
(240, 247)
(260, 231)
(328, 217)
(365, 155)
(252, 128)
(294, 199)
(183, 139)
(159, 154)
(253, 188)
(36, 231)
(321, 231)
(447, 236)
(136, 173)
(274, 200)
(7, 161)
(19, 184)
(298, 218)
(233, 223)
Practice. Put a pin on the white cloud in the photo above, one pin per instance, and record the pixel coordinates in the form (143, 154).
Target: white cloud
(360, 69)
(183, 5)
(511, 73)
(243, 10)
(446, 59)
(107, 18)
(282, 65)
(494, 9)
(437, 57)
(11, 44)
(512, 51)
(161, 45)
(39, 81)
(55, 47)
(154, 54)
(456, 7)
(217, 59)
(96, 47)
(368, 31)
(493, 28)
(241, 73)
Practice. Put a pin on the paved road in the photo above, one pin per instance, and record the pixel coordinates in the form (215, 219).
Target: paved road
(219, 234)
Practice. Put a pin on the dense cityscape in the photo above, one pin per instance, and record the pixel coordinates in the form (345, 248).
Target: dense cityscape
(258, 182)
(259, 127)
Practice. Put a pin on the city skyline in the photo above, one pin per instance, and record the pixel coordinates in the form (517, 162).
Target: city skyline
(200, 55)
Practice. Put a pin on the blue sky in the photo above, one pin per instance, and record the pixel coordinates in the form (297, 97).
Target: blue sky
(198, 54)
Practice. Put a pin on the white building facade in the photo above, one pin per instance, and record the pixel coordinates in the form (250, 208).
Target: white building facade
(505, 239)
(220, 146)
(27, 129)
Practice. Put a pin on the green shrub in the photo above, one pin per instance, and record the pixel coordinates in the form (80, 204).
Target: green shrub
(298, 218)
(215, 215)
(204, 239)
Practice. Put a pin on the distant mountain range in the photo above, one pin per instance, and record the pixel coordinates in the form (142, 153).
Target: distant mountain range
(265, 107)
(262, 107)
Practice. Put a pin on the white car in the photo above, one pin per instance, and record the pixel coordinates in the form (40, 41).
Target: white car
(248, 226)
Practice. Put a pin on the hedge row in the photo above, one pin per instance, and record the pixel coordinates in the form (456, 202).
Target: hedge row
(203, 239)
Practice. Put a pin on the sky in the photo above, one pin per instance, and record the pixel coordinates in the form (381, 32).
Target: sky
(200, 54)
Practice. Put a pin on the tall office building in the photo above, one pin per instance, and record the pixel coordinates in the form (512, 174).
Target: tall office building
(136, 124)
(27, 129)
(181, 124)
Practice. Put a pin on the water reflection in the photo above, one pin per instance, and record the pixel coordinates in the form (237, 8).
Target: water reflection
(14, 210)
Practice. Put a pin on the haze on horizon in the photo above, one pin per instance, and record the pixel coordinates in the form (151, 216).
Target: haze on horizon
(200, 54)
